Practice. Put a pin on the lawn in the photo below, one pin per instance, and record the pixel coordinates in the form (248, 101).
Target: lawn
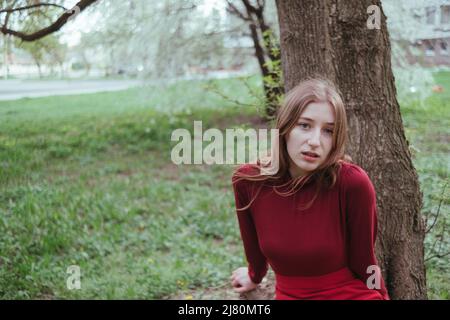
(87, 180)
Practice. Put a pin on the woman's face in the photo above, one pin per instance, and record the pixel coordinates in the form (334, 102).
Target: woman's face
(309, 142)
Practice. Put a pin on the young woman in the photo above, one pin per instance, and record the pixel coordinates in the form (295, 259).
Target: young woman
(313, 221)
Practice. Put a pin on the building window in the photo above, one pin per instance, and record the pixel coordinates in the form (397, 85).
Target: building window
(429, 49)
(417, 14)
(430, 14)
(445, 14)
(444, 48)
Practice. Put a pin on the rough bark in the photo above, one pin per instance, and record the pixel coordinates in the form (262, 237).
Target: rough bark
(330, 38)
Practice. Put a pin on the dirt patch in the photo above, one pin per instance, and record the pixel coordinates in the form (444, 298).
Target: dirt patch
(265, 291)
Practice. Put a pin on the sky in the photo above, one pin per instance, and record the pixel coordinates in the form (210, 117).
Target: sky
(71, 32)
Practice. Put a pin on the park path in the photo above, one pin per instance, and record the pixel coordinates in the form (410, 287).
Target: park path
(18, 89)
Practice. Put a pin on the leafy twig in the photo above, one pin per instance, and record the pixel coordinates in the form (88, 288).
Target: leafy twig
(439, 209)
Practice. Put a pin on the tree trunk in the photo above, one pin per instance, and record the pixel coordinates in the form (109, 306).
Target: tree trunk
(39, 68)
(6, 41)
(330, 38)
(61, 69)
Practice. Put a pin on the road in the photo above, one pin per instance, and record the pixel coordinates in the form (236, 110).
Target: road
(17, 89)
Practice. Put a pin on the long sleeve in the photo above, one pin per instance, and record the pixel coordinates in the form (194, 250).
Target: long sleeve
(257, 262)
(362, 225)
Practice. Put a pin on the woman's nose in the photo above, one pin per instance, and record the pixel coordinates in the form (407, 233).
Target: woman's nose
(314, 139)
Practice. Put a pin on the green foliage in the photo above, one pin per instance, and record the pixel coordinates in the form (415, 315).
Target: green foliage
(273, 81)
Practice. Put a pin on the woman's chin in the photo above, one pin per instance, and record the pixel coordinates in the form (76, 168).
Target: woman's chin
(306, 167)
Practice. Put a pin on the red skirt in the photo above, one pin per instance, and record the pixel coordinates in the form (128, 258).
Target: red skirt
(338, 285)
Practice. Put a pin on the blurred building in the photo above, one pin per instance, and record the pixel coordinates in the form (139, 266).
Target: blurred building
(431, 46)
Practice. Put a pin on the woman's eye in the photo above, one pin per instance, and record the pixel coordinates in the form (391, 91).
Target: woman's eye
(303, 125)
(329, 131)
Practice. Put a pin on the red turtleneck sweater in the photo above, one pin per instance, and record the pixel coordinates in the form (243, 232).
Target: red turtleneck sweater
(337, 231)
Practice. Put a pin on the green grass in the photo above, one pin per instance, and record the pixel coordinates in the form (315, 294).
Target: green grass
(87, 180)
(428, 131)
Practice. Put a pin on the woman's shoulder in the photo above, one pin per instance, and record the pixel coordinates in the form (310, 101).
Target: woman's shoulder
(241, 183)
(353, 176)
(247, 169)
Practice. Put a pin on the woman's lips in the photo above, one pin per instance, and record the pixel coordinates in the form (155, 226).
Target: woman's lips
(310, 156)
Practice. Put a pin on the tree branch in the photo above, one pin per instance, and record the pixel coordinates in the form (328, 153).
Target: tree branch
(252, 9)
(58, 24)
(212, 87)
(32, 6)
(438, 210)
(437, 256)
(6, 19)
(235, 11)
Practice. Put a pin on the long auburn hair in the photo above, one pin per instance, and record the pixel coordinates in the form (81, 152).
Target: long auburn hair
(295, 101)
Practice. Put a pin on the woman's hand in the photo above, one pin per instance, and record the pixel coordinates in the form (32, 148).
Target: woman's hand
(241, 281)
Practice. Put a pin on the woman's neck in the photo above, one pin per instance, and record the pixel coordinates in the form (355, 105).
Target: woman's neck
(295, 171)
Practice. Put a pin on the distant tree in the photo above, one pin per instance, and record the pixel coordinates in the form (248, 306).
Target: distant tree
(37, 51)
(266, 46)
(56, 53)
(161, 41)
(46, 51)
(6, 52)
